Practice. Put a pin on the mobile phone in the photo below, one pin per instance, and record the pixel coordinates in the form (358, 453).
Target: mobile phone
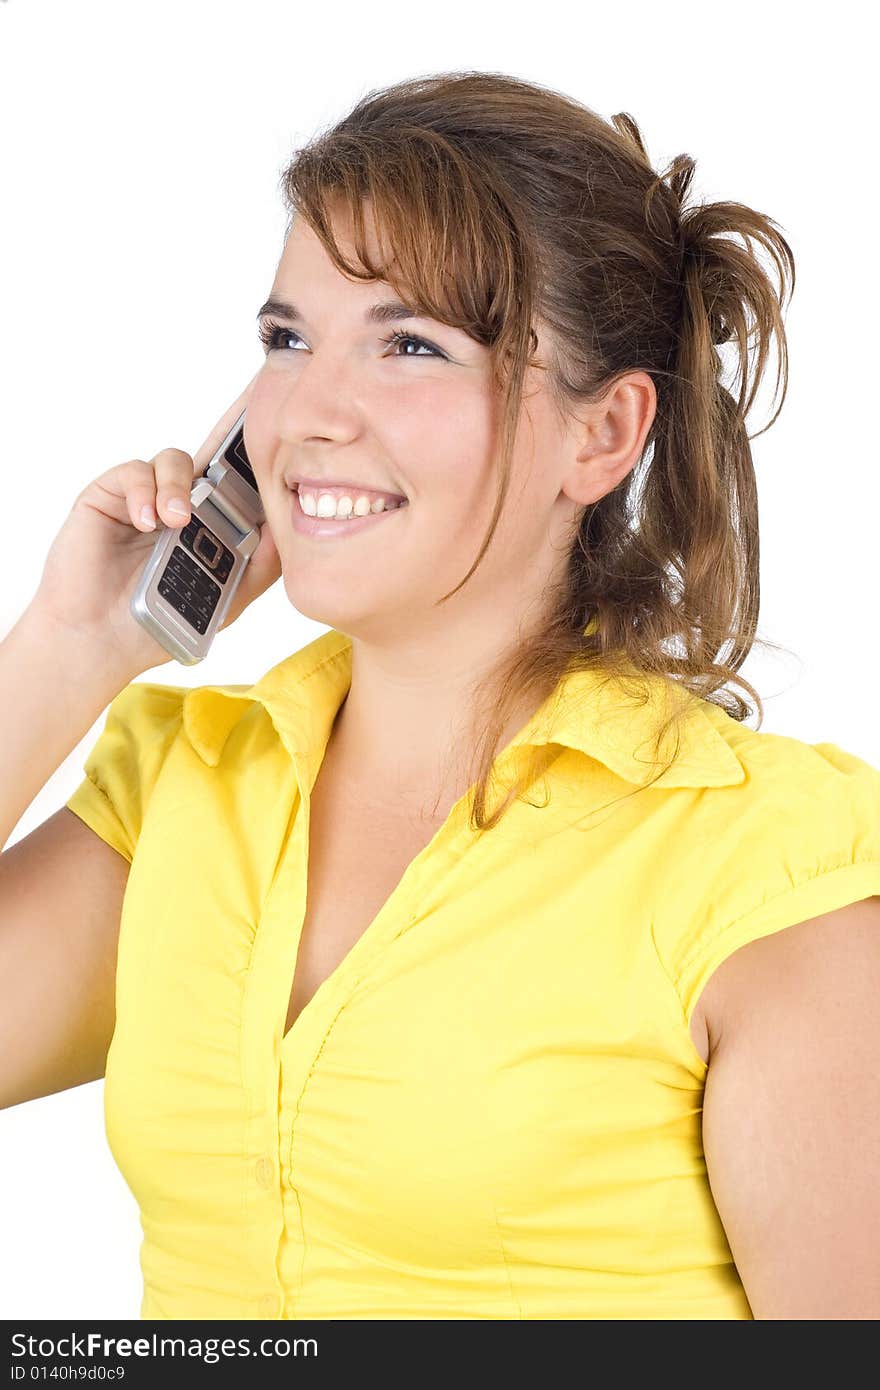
(187, 585)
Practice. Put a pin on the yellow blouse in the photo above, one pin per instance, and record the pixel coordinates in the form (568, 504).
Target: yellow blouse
(491, 1108)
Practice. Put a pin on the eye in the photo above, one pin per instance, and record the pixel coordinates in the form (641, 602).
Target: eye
(272, 336)
(398, 336)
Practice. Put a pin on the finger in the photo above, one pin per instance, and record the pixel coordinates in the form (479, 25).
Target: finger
(264, 566)
(136, 482)
(268, 566)
(203, 455)
(173, 473)
(262, 570)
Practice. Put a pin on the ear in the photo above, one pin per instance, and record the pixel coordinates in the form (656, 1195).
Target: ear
(607, 441)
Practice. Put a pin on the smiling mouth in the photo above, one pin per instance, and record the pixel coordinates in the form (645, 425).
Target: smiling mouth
(324, 506)
(316, 525)
(338, 490)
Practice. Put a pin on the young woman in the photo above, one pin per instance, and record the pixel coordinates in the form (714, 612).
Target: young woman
(478, 961)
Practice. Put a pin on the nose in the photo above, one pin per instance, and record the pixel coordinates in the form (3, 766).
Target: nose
(321, 402)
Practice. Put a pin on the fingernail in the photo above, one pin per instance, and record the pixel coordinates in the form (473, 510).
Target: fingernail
(177, 504)
(148, 517)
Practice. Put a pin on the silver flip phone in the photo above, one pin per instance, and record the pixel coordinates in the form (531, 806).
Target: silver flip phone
(193, 571)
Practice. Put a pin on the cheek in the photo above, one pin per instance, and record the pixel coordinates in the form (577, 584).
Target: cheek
(259, 439)
(438, 436)
(441, 442)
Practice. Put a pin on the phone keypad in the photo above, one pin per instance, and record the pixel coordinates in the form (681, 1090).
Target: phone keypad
(185, 584)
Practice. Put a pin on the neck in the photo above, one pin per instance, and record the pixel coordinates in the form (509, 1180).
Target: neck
(405, 731)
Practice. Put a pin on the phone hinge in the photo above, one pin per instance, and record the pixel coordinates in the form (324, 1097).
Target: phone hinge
(227, 508)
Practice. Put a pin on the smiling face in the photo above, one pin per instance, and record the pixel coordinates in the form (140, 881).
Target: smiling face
(337, 402)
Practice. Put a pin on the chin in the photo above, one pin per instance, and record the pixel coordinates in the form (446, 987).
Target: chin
(320, 603)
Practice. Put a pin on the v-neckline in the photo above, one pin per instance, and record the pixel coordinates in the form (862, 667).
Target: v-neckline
(287, 898)
(384, 925)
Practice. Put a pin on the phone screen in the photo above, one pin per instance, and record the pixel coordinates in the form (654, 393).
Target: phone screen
(236, 457)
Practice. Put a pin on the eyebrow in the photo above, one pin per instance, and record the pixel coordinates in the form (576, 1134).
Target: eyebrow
(388, 311)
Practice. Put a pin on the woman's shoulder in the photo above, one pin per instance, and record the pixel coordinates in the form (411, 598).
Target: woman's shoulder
(797, 837)
(125, 761)
(777, 764)
(800, 807)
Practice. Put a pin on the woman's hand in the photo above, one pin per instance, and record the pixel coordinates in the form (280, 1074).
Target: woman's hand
(96, 559)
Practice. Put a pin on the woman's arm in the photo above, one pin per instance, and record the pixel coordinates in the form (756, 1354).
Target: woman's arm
(791, 1115)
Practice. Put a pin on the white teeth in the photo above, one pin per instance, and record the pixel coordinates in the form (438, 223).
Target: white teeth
(327, 506)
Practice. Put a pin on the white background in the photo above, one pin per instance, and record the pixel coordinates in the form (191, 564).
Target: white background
(141, 151)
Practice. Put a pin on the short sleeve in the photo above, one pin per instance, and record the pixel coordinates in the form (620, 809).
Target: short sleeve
(123, 764)
(801, 837)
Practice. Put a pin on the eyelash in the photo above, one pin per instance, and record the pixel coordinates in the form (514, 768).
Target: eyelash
(270, 332)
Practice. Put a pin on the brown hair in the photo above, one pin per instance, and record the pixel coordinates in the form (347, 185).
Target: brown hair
(507, 204)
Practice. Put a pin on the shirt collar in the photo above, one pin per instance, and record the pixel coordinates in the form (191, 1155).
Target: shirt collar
(586, 711)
